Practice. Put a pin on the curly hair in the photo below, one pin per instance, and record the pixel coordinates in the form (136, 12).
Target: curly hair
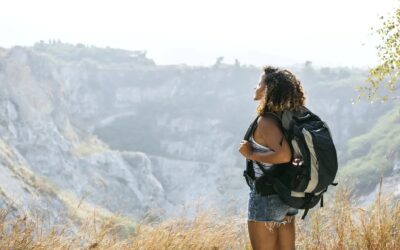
(283, 91)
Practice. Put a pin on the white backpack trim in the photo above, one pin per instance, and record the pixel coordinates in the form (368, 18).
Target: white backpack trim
(314, 163)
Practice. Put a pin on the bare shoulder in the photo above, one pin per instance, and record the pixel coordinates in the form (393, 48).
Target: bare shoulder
(270, 132)
(267, 123)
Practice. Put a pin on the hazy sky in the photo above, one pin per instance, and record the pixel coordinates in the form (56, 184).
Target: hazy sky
(328, 33)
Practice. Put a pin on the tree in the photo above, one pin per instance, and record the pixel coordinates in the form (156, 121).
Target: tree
(218, 62)
(387, 73)
(237, 63)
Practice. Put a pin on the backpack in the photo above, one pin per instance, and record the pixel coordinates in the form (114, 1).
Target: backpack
(301, 182)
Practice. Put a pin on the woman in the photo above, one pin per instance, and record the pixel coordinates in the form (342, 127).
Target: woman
(271, 223)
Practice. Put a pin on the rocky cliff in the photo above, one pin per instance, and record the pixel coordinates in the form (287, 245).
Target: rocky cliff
(113, 130)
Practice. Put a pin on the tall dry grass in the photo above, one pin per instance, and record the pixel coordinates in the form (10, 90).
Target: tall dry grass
(339, 225)
(342, 225)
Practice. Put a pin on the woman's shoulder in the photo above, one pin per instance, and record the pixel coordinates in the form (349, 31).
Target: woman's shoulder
(268, 121)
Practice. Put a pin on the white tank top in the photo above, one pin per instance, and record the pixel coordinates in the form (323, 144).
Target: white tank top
(259, 148)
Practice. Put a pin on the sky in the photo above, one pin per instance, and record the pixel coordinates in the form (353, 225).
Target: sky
(282, 32)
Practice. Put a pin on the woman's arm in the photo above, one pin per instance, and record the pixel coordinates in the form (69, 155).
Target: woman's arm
(272, 136)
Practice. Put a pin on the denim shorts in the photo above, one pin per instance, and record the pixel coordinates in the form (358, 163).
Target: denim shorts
(267, 208)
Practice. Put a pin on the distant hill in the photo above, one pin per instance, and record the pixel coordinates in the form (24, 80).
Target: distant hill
(126, 135)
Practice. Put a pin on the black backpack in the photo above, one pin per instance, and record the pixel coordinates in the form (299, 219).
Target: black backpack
(301, 182)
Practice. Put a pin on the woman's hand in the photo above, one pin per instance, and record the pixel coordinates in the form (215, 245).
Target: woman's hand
(245, 149)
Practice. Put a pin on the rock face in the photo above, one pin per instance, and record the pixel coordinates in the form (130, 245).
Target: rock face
(38, 103)
(130, 137)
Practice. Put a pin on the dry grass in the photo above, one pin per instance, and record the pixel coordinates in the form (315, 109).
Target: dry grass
(343, 226)
(339, 225)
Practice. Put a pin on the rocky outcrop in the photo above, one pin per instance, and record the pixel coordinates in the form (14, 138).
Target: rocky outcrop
(36, 105)
(112, 128)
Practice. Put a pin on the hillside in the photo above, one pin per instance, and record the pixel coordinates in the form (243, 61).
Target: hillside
(127, 136)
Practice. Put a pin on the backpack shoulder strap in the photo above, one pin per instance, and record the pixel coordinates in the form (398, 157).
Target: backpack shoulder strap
(251, 129)
(249, 172)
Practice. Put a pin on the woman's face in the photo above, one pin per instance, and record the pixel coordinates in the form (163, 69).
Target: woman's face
(260, 88)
